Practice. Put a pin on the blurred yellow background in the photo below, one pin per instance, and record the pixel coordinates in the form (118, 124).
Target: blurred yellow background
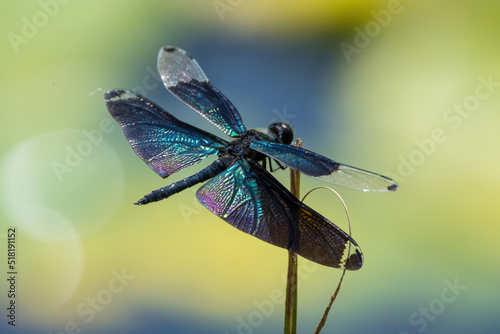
(409, 89)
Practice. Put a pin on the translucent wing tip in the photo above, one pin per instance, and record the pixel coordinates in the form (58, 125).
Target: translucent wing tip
(170, 51)
(118, 94)
(112, 94)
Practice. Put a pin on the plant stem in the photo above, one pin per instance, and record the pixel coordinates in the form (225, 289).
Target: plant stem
(291, 283)
(322, 322)
(291, 295)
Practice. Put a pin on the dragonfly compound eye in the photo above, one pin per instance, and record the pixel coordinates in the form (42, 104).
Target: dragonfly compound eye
(281, 132)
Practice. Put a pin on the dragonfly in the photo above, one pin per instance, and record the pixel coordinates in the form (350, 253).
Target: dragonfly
(240, 190)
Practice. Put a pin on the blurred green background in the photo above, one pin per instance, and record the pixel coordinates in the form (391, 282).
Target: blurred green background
(409, 89)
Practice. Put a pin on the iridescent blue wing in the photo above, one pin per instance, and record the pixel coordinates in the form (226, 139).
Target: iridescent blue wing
(324, 169)
(184, 78)
(252, 200)
(162, 141)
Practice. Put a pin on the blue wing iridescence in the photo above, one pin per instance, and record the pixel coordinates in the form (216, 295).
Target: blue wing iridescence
(325, 169)
(163, 142)
(252, 200)
(241, 191)
(184, 78)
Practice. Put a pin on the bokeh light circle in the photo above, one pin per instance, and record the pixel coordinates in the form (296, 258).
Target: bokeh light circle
(61, 185)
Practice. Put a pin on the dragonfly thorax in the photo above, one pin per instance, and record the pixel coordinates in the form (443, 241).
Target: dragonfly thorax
(277, 132)
(241, 147)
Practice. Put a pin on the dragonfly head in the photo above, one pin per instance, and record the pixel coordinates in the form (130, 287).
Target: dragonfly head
(281, 132)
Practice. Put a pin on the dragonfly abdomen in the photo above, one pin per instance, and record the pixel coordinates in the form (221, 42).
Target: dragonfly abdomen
(203, 175)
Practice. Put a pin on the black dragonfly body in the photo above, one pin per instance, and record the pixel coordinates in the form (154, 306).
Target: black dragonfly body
(240, 190)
